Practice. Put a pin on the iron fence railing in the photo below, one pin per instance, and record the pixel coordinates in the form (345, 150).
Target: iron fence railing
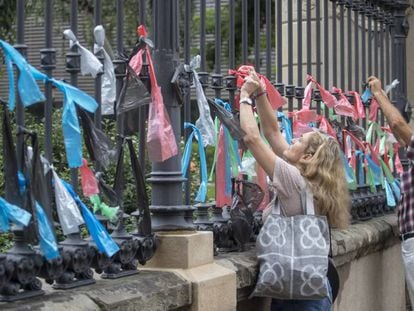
(340, 43)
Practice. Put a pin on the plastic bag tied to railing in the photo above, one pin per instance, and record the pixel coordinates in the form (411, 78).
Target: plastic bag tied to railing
(342, 106)
(100, 148)
(103, 240)
(134, 94)
(275, 99)
(186, 158)
(108, 85)
(90, 189)
(26, 84)
(377, 171)
(90, 64)
(33, 190)
(12, 213)
(226, 158)
(72, 97)
(161, 142)
(68, 212)
(204, 123)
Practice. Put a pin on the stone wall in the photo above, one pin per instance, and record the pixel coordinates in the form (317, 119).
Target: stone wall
(367, 256)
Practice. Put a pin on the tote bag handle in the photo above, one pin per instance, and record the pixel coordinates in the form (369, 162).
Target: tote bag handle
(306, 202)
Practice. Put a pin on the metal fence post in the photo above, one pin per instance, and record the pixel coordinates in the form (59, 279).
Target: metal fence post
(400, 29)
(168, 211)
(21, 262)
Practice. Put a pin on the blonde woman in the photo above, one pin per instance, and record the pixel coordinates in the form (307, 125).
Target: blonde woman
(313, 159)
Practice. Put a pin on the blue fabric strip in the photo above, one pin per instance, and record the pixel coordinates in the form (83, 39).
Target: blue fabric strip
(48, 243)
(103, 240)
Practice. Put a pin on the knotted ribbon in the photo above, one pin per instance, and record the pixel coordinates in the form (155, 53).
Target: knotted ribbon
(161, 142)
(204, 122)
(90, 64)
(275, 99)
(185, 161)
(108, 85)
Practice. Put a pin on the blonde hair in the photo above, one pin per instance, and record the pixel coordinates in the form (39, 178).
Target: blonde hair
(326, 176)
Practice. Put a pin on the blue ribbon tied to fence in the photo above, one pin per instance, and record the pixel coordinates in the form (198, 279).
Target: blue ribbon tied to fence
(28, 89)
(286, 126)
(185, 161)
(10, 212)
(70, 122)
(366, 95)
(98, 232)
(349, 173)
(30, 94)
(48, 244)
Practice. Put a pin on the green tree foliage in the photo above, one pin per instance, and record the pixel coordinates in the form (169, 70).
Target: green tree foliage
(210, 28)
(7, 19)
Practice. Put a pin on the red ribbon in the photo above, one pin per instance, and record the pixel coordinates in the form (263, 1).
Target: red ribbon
(307, 98)
(359, 106)
(326, 96)
(325, 126)
(343, 106)
(373, 109)
(301, 119)
(359, 143)
(275, 99)
(88, 180)
(161, 142)
(142, 31)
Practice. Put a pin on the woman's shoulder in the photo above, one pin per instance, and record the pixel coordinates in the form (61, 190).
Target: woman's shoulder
(287, 178)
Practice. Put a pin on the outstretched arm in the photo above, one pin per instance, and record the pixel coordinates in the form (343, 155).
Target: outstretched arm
(399, 127)
(260, 151)
(268, 119)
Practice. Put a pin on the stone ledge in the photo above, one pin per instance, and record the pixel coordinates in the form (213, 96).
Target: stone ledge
(147, 291)
(246, 268)
(163, 290)
(214, 287)
(364, 238)
(357, 241)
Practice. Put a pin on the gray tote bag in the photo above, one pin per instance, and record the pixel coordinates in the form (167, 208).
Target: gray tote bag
(293, 254)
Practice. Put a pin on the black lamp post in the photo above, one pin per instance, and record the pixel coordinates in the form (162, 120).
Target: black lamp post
(168, 211)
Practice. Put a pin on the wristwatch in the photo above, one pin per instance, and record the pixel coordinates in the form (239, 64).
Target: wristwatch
(246, 100)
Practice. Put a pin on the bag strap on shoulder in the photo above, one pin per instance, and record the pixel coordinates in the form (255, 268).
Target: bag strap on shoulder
(306, 200)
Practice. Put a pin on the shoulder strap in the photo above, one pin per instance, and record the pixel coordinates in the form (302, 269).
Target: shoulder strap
(276, 209)
(330, 243)
(306, 200)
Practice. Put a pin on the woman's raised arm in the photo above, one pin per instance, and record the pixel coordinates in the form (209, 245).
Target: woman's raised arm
(268, 119)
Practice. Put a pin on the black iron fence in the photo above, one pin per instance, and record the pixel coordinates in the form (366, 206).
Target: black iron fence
(339, 43)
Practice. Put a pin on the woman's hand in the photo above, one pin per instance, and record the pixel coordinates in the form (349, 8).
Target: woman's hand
(251, 85)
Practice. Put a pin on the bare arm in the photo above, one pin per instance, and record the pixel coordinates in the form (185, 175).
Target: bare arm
(399, 127)
(260, 151)
(267, 115)
(270, 126)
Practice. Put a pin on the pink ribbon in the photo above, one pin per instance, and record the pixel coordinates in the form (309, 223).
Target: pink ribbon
(275, 99)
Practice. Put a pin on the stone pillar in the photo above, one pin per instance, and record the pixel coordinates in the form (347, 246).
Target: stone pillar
(190, 255)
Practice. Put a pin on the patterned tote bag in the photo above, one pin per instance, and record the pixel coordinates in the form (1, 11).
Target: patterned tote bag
(293, 254)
